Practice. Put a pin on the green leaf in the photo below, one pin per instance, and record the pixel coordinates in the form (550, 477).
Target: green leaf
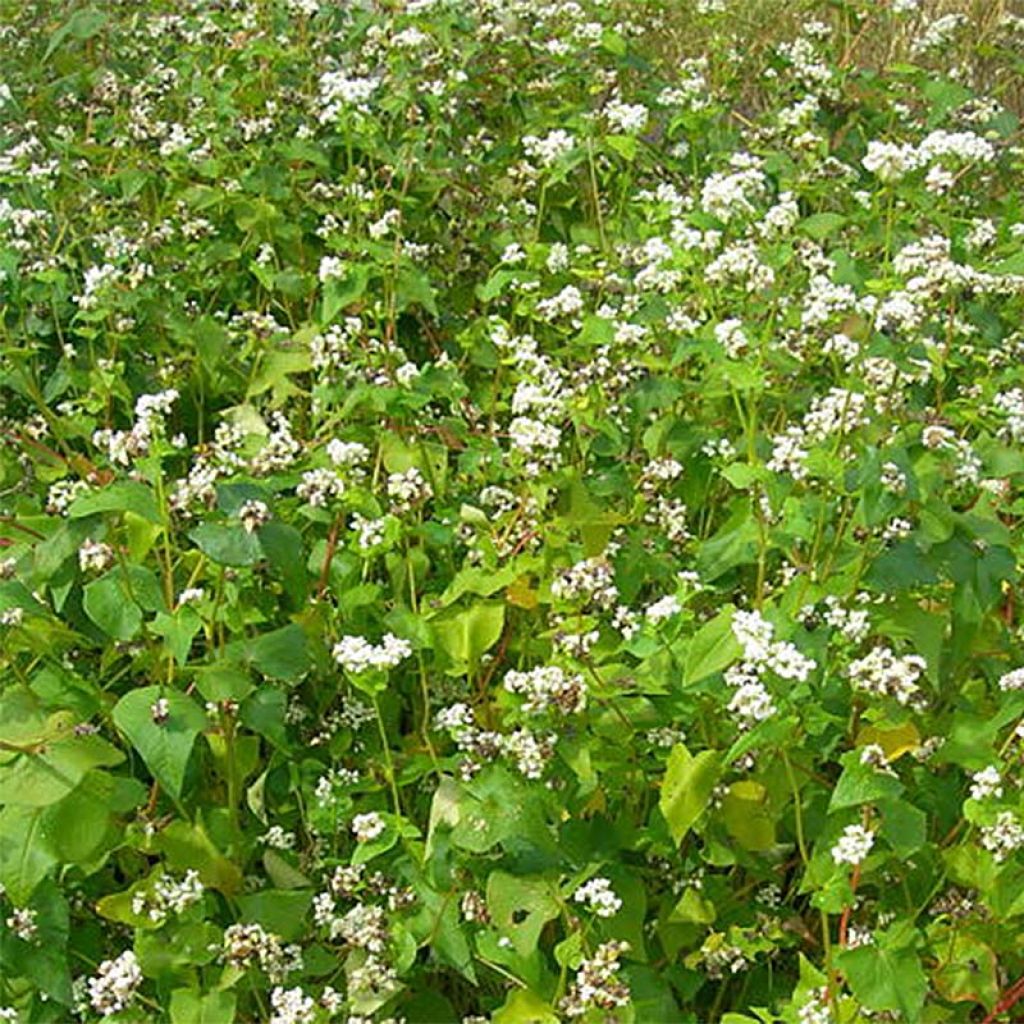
(746, 815)
(686, 788)
(26, 851)
(467, 634)
(862, 784)
(524, 1007)
(281, 654)
(190, 1007)
(520, 907)
(692, 908)
(820, 225)
(178, 631)
(340, 292)
(413, 288)
(166, 747)
(188, 846)
(122, 496)
(904, 826)
(107, 602)
(887, 974)
(41, 777)
(282, 911)
(227, 545)
(711, 649)
(82, 25)
(283, 547)
(223, 680)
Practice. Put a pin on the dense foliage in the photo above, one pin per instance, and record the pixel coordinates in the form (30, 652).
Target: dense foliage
(505, 517)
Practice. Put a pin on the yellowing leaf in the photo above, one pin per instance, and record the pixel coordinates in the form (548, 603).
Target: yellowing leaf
(521, 594)
(894, 740)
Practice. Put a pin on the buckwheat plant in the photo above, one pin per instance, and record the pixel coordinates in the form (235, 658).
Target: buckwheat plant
(511, 511)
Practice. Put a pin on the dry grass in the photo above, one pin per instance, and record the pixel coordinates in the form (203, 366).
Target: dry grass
(873, 38)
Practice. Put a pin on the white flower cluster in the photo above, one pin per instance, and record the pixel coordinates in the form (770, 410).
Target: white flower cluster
(986, 783)
(253, 514)
(662, 609)
(1004, 837)
(249, 944)
(115, 983)
(816, 1009)
(291, 1006)
(530, 752)
(890, 161)
(592, 579)
(95, 556)
(597, 984)
(854, 845)
(751, 701)
(356, 654)
(339, 91)
(726, 195)
(168, 897)
(367, 827)
(1013, 680)
(883, 674)
(548, 688)
(551, 148)
(408, 489)
(320, 486)
(599, 897)
(22, 921)
(630, 118)
(150, 412)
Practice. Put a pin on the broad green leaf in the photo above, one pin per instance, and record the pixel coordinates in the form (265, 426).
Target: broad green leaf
(340, 292)
(711, 649)
(108, 602)
(164, 747)
(189, 846)
(862, 784)
(692, 908)
(223, 681)
(82, 25)
(686, 788)
(281, 654)
(519, 907)
(524, 1007)
(122, 496)
(191, 1007)
(26, 850)
(466, 634)
(887, 974)
(227, 545)
(747, 816)
(46, 774)
(178, 631)
(284, 550)
(284, 912)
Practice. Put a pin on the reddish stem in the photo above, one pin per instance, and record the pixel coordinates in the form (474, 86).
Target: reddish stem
(844, 921)
(1011, 997)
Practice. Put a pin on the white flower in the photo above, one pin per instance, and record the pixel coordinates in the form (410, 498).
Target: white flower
(1004, 837)
(355, 654)
(367, 827)
(987, 783)
(95, 556)
(599, 897)
(663, 609)
(854, 845)
(253, 515)
(115, 984)
(551, 148)
(1013, 680)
